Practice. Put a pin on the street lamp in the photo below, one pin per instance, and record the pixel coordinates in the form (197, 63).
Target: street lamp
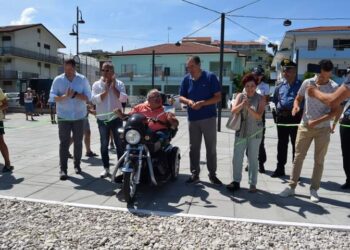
(75, 27)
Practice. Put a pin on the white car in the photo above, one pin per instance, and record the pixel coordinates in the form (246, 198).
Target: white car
(13, 99)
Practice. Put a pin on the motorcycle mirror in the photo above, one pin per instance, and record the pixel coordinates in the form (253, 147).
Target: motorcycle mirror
(169, 109)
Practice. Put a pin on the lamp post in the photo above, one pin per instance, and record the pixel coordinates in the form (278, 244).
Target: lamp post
(75, 27)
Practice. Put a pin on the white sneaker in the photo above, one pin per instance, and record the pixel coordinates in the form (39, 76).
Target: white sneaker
(105, 173)
(314, 196)
(287, 192)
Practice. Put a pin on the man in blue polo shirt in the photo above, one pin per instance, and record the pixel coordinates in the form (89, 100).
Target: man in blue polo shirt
(200, 91)
(70, 91)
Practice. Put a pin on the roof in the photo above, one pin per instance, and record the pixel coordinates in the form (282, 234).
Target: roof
(13, 28)
(216, 42)
(206, 39)
(322, 29)
(185, 48)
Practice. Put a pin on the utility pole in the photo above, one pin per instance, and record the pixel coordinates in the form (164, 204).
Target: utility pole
(222, 40)
(153, 59)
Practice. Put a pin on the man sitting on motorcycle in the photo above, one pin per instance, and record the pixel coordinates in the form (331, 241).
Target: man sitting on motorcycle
(159, 120)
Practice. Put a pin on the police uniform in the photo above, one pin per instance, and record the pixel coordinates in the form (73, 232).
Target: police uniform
(345, 144)
(287, 127)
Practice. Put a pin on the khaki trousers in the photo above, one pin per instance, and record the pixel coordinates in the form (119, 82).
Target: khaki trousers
(305, 136)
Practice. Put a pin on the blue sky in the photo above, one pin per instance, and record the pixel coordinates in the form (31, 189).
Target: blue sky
(111, 25)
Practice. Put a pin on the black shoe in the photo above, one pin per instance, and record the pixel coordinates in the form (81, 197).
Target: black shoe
(193, 179)
(346, 185)
(261, 169)
(7, 169)
(63, 175)
(278, 173)
(233, 186)
(77, 170)
(119, 179)
(90, 154)
(214, 180)
(70, 156)
(246, 168)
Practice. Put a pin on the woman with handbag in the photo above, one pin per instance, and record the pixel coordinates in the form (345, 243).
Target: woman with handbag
(250, 106)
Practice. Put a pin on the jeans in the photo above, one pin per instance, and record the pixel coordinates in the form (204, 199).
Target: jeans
(65, 128)
(104, 129)
(252, 145)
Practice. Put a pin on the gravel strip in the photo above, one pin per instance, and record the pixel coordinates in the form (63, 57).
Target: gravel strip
(27, 225)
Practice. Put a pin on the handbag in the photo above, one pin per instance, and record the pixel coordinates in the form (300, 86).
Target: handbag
(234, 122)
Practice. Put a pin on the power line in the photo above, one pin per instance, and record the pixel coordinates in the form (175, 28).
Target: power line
(243, 6)
(203, 27)
(294, 18)
(200, 6)
(250, 31)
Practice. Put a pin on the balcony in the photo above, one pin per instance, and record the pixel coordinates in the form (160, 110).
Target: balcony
(13, 51)
(14, 74)
(174, 78)
(323, 52)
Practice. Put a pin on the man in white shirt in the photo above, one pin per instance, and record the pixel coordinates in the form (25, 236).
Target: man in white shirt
(108, 93)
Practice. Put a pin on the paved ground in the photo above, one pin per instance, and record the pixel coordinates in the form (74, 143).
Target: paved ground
(34, 153)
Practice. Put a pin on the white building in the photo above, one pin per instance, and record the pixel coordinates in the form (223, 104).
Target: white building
(310, 45)
(27, 52)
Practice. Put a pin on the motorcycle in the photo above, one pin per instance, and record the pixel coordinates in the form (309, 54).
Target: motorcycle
(147, 156)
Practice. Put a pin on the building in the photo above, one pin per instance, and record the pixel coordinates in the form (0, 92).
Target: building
(27, 52)
(310, 45)
(255, 51)
(134, 67)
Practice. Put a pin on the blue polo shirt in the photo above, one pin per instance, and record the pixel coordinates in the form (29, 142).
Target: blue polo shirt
(285, 94)
(198, 90)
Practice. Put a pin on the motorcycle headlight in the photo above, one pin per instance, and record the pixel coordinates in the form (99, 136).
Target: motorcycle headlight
(132, 136)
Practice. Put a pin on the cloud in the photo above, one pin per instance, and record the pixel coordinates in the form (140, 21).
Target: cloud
(262, 39)
(89, 41)
(26, 17)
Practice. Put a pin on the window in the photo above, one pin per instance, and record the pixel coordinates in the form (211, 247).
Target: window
(312, 44)
(38, 44)
(47, 65)
(38, 30)
(341, 44)
(46, 46)
(158, 69)
(128, 68)
(39, 64)
(8, 83)
(6, 38)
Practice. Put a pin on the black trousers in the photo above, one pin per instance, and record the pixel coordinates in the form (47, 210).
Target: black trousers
(262, 151)
(345, 144)
(284, 133)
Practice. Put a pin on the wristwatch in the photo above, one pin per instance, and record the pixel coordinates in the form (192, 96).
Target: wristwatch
(75, 93)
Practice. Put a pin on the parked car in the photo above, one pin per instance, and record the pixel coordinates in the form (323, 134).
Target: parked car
(13, 99)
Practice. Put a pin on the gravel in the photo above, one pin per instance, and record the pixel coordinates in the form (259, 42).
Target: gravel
(27, 225)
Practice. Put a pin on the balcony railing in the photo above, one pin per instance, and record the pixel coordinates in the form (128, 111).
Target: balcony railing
(29, 54)
(14, 74)
(160, 74)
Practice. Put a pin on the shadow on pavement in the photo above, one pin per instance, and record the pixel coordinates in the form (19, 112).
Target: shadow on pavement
(7, 181)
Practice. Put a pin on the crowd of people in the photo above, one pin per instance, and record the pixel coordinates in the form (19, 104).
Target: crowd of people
(304, 114)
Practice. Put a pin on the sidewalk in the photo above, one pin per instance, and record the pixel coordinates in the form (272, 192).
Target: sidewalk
(34, 153)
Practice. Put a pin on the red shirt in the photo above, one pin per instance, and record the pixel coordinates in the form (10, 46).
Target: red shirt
(159, 114)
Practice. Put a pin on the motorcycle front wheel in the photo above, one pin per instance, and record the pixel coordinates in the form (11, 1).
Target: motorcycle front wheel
(129, 186)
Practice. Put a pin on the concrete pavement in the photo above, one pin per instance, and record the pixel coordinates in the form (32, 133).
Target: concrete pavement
(34, 153)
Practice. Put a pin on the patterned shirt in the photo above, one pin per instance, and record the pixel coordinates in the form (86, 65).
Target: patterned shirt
(314, 108)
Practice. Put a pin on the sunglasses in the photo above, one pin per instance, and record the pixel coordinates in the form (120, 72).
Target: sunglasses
(105, 70)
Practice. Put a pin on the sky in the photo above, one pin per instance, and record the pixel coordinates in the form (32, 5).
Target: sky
(113, 25)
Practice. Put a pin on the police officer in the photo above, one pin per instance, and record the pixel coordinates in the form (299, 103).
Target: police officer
(287, 127)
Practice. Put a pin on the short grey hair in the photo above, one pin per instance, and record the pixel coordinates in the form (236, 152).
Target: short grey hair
(108, 65)
(152, 91)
